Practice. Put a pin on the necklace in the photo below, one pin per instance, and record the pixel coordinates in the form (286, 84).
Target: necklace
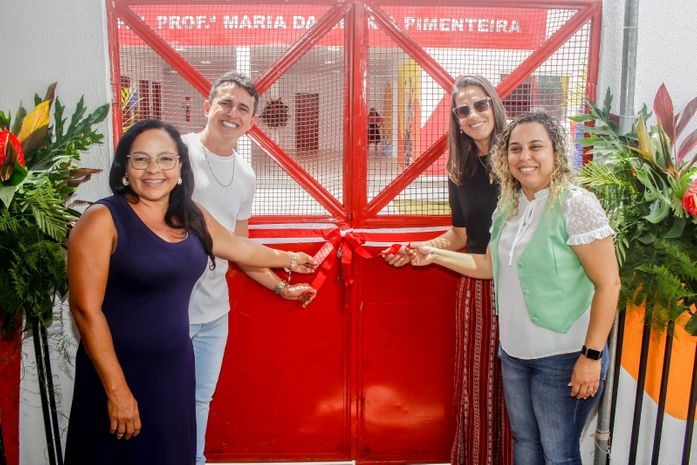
(234, 165)
(486, 166)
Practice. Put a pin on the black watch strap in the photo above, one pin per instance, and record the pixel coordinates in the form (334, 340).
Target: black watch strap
(592, 354)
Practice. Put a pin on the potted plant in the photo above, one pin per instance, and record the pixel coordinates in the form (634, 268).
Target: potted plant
(38, 177)
(646, 181)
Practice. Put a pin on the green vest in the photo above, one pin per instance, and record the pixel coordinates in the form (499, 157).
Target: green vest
(555, 286)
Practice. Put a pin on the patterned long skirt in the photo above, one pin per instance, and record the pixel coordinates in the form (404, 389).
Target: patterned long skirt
(482, 435)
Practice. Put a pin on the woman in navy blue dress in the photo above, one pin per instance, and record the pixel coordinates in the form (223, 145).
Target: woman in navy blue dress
(133, 260)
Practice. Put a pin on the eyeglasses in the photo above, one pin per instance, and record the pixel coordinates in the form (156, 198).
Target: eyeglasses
(463, 111)
(165, 161)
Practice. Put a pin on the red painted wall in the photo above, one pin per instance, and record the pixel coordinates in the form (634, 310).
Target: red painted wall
(10, 361)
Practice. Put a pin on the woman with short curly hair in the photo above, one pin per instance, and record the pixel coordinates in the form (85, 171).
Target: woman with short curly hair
(556, 281)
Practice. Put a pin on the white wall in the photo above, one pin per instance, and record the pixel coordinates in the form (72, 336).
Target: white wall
(45, 41)
(667, 50)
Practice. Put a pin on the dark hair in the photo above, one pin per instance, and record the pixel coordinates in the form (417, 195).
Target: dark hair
(182, 212)
(462, 156)
(239, 80)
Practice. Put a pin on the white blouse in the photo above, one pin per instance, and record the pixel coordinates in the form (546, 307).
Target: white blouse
(585, 222)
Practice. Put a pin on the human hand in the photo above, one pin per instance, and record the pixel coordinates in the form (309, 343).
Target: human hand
(301, 292)
(585, 378)
(397, 259)
(302, 263)
(124, 417)
(421, 255)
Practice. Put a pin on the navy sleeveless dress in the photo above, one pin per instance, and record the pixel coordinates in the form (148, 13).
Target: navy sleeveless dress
(146, 305)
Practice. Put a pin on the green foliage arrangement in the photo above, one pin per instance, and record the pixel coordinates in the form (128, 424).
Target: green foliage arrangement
(647, 184)
(38, 176)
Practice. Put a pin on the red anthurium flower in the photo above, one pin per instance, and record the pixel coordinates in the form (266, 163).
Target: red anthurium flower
(5, 137)
(689, 201)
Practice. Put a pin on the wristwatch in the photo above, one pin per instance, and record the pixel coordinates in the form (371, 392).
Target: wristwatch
(592, 354)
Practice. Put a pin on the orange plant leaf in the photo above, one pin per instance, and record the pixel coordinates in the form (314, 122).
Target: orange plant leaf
(36, 120)
(645, 145)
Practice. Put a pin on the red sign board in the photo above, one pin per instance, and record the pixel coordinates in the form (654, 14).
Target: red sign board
(244, 25)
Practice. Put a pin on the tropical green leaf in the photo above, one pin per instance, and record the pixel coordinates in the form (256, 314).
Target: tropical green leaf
(648, 238)
(19, 118)
(77, 115)
(582, 118)
(691, 325)
(659, 211)
(5, 120)
(676, 230)
(7, 193)
(59, 121)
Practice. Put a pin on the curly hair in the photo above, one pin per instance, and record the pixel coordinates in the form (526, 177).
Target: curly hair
(561, 174)
(462, 153)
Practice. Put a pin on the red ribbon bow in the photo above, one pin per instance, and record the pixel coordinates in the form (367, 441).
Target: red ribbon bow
(340, 243)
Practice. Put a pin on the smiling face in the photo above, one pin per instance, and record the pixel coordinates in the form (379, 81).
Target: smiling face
(229, 115)
(153, 184)
(531, 157)
(478, 124)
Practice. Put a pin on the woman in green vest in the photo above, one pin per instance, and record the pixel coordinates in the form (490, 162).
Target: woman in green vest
(556, 281)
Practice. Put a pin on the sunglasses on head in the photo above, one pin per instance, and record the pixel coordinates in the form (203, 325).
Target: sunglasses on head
(463, 111)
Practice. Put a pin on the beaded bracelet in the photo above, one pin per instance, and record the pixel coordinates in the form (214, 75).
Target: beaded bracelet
(289, 268)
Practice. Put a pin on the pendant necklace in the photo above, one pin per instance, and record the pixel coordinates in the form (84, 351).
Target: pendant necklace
(234, 165)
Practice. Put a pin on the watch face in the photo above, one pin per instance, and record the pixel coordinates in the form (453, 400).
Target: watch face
(591, 353)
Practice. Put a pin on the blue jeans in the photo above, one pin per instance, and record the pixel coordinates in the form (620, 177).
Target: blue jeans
(209, 341)
(545, 420)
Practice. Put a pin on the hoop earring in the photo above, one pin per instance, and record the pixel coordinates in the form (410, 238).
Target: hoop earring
(179, 181)
(124, 181)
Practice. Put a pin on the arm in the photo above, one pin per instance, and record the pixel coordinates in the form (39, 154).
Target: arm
(270, 280)
(600, 264)
(229, 246)
(90, 246)
(472, 265)
(453, 239)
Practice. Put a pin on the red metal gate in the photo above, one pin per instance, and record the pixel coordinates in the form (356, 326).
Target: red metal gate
(366, 372)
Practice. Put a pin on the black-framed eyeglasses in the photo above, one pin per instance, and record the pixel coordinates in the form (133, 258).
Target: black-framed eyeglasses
(165, 161)
(463, 111)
